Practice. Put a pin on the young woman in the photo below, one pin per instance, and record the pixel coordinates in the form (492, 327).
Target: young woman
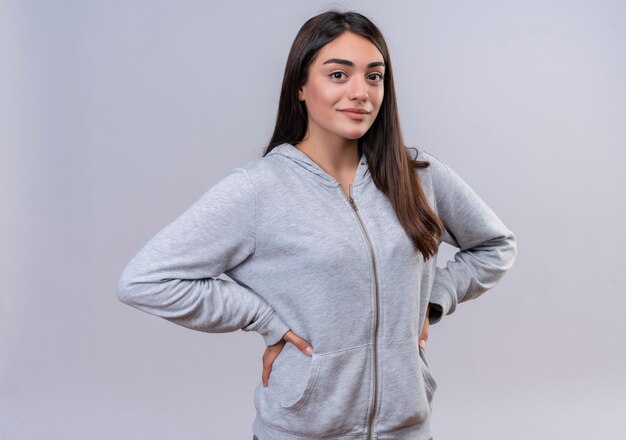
(330, 239)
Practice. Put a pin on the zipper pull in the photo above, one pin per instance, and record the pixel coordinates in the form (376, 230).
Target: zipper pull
(350, 199)
(352, 203)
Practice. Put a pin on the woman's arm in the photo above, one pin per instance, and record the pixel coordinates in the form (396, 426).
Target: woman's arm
(487, 248)
(174, 275)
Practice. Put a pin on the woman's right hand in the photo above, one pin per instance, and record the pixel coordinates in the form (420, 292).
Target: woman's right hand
(272, 352)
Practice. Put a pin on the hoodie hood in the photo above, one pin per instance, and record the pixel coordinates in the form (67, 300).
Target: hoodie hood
(299, 158)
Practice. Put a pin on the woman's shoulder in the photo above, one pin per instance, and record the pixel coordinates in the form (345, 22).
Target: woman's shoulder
(422, 154)
(263, 171)
(262, 165)
(432, 164)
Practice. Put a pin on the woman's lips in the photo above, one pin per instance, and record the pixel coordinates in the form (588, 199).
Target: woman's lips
(356, 114)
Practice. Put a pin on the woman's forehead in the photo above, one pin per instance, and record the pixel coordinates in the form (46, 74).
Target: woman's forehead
(350, 48)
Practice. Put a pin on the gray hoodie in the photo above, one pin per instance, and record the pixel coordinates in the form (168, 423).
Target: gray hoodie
(340, 273)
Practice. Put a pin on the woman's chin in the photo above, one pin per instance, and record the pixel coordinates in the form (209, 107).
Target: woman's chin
(353, 135)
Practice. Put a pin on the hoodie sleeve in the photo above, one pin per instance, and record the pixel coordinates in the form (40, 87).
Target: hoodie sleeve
(174, 275)
(487, 248)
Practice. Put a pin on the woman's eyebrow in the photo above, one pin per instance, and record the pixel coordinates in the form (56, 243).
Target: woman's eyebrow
(350, 63)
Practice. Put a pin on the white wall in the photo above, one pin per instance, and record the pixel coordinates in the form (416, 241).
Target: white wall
(116, 116)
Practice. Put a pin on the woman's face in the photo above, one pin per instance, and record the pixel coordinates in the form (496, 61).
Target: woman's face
(344, 89)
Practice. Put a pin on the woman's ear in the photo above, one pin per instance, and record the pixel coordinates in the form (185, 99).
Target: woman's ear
(301, 94)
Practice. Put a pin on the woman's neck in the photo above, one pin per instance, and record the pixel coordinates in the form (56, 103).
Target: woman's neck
(339, 159)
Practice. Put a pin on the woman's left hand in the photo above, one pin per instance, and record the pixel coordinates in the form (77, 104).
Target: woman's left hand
(424, 332)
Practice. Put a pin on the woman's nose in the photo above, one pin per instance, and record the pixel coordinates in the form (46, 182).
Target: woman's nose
(358, 89)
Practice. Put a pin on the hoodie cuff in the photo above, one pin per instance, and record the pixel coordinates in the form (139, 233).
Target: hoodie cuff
(271, 327)
(443, 302)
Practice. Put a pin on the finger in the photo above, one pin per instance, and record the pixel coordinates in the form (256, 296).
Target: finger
(265, 376)
(270, 354)
(424, 334)
(422, 342)
(302, 344)
(268, 361)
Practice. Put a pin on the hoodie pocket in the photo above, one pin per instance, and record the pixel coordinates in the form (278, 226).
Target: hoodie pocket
(319, 395)
(408, 385)
(429, 380)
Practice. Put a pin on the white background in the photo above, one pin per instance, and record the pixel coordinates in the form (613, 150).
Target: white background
(115, 116)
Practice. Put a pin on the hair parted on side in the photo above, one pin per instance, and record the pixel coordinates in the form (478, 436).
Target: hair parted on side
(390, 165)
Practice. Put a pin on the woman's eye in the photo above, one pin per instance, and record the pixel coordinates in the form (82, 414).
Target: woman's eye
(376, 77)
(337, 75)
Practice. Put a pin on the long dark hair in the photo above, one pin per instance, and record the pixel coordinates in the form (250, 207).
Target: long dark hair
(391, 167)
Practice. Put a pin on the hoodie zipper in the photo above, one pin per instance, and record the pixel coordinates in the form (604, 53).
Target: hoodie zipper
(369, 244)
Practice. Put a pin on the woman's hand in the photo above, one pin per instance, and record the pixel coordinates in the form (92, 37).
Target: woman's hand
(424, 332)
(272, 352)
